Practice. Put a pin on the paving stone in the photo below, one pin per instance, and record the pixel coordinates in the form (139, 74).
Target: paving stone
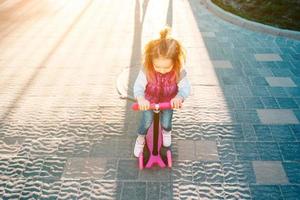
(85, 189)
(296, 130)
(261, 91)
(198, 171)
(269, 172)
(258, 80)
(248, 132)
(269, 151)
(213, 171)
(51, 188)
(246, 116)
(290, 191)
(297, 113)
(282, 133)
(206, 150)
(226, 150)
(120, 148)
(277, 91)
(186, 150)
(74, 148)
(236, 191)
(69, 189)
(297, 100)
(281, 71)
(293, 91)
(263, 132)
(292, 170)
(229, 132)
(211, 191)
(280, 82)
(246, 151)
(85, 168)
(2, 186)
(53, 167)
(31, 189)
(277, 116)
(208, 34)
(222, 64)
(182, 171)
(266, 192)
(238, 171)
(13, 188)
(33, 167)
(290, 150)
(15, 167)
(227, 80)
(134, 190)
(267, 57)
(9, 149)
(153, 190)
(185, 190)
(252, 102)
(155, 174)
(269, 102)
(287, 103)
(106, 189)
(127, 170)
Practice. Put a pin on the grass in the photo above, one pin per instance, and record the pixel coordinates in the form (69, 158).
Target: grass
(278, 13)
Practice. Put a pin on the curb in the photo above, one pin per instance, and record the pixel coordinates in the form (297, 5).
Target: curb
(254, 26)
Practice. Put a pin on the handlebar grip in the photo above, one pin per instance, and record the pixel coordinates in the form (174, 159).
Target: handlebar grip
(135, 106)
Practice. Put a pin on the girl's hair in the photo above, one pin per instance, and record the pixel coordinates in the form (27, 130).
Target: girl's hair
(166, 47)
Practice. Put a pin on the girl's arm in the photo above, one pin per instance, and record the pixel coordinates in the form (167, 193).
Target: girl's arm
(140, 85)
(184, 86)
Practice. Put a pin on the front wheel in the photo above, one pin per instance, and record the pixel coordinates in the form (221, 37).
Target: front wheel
(169, 158)
(141, 161)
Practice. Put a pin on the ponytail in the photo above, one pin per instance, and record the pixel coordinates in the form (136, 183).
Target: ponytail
(165, 32)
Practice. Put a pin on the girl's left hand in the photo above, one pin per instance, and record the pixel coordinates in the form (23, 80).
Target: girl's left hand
(176, 102)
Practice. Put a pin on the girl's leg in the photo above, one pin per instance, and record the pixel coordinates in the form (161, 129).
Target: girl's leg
(145, 124)
(147, 118)
(166, 119)
(166, 123)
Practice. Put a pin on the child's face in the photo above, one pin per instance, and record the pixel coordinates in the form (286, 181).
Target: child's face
(162, 65)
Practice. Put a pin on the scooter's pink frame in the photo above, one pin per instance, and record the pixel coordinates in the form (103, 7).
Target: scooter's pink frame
(154, 159)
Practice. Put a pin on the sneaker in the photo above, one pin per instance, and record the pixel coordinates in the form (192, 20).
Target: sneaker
(139, 146)
(166, 138)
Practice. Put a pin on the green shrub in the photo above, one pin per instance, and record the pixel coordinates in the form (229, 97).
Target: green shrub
(279, 13)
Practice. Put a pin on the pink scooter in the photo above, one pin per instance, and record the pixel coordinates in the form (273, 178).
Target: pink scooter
(154, 152)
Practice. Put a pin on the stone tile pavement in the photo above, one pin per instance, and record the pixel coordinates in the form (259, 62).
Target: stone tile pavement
(65, 134)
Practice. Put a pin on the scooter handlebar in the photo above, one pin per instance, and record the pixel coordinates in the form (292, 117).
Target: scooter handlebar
(153, 106)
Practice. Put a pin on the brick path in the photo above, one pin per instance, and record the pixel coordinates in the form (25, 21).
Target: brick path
(64, 133)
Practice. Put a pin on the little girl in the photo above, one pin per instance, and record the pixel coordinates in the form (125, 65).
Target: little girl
(162, 79)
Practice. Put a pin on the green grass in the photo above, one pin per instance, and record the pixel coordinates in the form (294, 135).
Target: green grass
(279, 13)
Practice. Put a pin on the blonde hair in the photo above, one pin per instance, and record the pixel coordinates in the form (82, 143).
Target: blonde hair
(167, 47)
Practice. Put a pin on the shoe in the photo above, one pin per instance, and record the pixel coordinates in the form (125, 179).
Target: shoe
(138, 147)
(166, 138)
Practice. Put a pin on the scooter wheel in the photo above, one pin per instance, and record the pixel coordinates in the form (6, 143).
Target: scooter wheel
(169, 158)
(141, 161)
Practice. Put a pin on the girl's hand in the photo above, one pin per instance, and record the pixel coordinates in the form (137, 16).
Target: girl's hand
(144, 104)
(176, 102)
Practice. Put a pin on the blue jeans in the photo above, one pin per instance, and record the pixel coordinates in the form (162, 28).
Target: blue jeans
(147, 118)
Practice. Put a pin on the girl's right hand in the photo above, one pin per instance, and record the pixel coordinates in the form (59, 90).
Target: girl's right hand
(144, 104)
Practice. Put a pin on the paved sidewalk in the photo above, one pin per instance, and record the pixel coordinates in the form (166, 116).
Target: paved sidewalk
(65, 134)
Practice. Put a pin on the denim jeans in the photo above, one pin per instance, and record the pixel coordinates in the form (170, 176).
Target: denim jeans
(147, 118)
